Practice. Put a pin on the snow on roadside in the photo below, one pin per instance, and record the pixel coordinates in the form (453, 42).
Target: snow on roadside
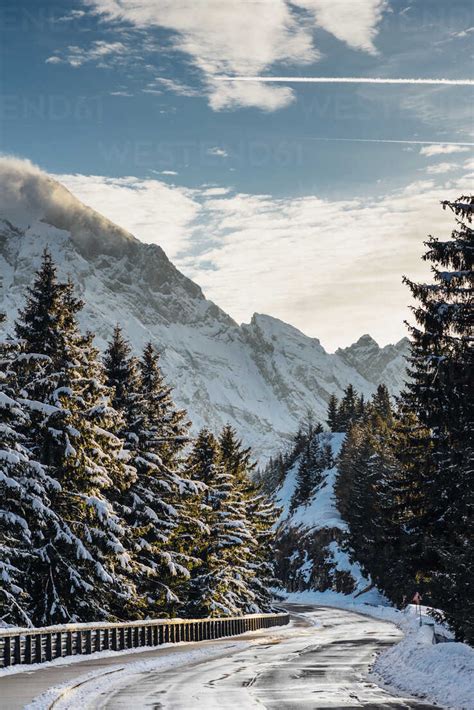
(79, 691)
(442, 673)
(439, 673)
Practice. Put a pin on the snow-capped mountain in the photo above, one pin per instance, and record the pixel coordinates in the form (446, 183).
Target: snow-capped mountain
(262, 377)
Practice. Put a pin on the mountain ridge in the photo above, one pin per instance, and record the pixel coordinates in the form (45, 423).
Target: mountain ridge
(262, 377)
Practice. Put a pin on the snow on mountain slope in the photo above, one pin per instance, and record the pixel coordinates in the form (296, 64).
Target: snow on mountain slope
(261, 377)
(373, 362)
(310, 542)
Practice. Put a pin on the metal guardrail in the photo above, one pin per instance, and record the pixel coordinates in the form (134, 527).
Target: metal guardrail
(37, 645)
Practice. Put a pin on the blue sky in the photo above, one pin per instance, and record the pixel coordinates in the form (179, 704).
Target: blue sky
(122, 101)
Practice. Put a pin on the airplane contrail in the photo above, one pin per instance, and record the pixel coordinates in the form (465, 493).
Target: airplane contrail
(344, 80)
(389, 140)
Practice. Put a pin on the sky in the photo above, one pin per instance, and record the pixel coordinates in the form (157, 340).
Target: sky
(305, 200)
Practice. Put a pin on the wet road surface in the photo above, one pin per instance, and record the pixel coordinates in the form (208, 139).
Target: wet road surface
(321, 661)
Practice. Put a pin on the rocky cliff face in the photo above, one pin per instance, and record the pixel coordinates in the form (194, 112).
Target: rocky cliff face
(261, 377)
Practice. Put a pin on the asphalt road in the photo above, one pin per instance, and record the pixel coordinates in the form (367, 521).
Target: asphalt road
(320, 661)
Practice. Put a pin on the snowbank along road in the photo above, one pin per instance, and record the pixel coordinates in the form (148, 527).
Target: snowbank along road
(320, 661)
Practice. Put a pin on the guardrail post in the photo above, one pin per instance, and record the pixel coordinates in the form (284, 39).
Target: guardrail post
(28, 654)
(17, 649)
(38, 649)
(49, 647)
(7, 651)
(68, 643)
(58, 645)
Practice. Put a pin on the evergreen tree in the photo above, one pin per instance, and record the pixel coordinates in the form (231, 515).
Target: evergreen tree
(348, 409)
(72, 434)
(381, 403)
(440, 393)
(332, 418)
(169, 425)
(259, 515)
(310, 467)
(220, 583)
(153, 505)
(24, 489)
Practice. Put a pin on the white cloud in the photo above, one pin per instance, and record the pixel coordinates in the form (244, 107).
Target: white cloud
(218, 152)
(351, 21)
(247, 37)
(159, 84)
(318, 264)
(442, 149)
(71, 16)
(256, 94)
(97, 51)
(441, 168)
(168, 172)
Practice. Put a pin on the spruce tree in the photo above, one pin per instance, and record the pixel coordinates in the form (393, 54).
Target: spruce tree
(259, 515)
(154, 505)
(24, 509)
(220, 584)
(348, 409)
(440, 393)
(311, 464)
(332, 419)
(81, 576)
(381, 402)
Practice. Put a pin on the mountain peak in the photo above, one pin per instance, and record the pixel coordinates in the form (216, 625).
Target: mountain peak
(29, 198)
(366, 341)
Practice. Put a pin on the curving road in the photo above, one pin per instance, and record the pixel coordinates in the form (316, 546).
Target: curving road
(321, 661)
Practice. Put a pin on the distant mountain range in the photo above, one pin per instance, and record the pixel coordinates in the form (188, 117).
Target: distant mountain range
(262, 377)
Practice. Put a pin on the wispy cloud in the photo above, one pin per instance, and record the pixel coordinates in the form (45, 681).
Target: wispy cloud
(218, 152)
(160, 84)
(71, 16)
(444, 149)
(97, 51)
(441, 168)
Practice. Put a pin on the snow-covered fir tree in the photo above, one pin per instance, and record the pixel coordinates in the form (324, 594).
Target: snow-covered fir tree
(155, 505)
(24, 493)
(440, 393)
(221, 583)
(260, 516)
(71, 433)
